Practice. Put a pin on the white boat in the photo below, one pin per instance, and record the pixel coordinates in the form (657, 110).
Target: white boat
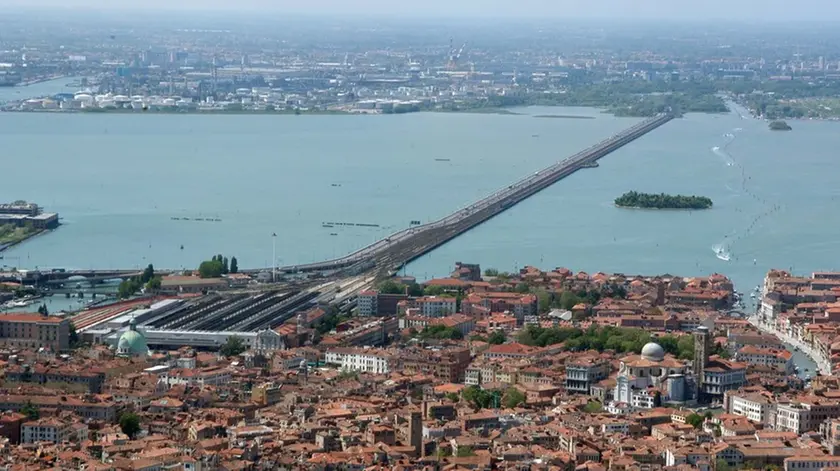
(20, 304)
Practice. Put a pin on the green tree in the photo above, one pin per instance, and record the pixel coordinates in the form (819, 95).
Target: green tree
(478, 398)
(391, 287)
(129, 287)
(130, 424)
(232, 347)
(491, 272)
(234, 265)
(522, 288)
(30, 411)
(441, 332)
(593, 407)
(464, 451)
(74, 336)
(225, 266)
(210, 269)
(434, 291)
(544, 300)
(695, 420)
(568, 300)
(148, 274)
(722, 465)
(497, 337)
(513, 398)
(153, 284)
(453, 397)
(42, 309)
(415, 290)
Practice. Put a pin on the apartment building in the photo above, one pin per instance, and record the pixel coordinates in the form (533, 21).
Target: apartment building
(364, 360)
(519, 305)
(213, 376)
(367, 303)
(755, 407)
(778, 359)
(35, 331)
(811, 463)
(430, 306)
(70, 375)
(721, 376)
(86, 407)
(446, 365)
(53, 430)
(461, 323)
(582, 373)
(806, 414)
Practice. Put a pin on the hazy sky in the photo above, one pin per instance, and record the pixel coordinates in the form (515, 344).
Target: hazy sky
(748, 10)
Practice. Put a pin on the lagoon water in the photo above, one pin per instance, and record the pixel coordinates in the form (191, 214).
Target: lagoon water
(119, 180)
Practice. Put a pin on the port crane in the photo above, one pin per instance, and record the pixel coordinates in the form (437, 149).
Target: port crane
(454, 56)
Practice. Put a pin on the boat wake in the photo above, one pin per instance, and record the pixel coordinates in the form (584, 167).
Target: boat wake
(723, 155)
(721, 252)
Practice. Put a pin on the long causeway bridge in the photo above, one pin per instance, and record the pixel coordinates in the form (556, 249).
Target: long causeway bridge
(404, 246)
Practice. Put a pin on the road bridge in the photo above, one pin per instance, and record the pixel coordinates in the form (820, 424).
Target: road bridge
(406, 245)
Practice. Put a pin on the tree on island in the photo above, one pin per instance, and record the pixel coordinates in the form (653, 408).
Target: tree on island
(634, 199)
(780, 126)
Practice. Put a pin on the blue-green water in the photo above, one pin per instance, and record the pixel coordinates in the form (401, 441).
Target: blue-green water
(118, 180)
(38, 90)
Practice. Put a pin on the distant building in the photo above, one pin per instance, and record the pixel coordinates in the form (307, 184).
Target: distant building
(781, 360)
(647, 380)
(191, 284)
(359, 359)
(35, 331)
(267, 394)
(430, 306)
(132, 343)
(53, 430)
(467, 272)
(583, 373)
(367, 303)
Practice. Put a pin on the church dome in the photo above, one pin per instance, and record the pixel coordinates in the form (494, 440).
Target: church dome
(132, 342)
(653, 352)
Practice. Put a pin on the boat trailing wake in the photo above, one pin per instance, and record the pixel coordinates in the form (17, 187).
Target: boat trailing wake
(721, 252)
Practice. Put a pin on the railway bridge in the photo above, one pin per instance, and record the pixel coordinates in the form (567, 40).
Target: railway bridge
(404, 246)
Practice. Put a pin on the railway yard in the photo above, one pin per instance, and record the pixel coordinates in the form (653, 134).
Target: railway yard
(177, 320)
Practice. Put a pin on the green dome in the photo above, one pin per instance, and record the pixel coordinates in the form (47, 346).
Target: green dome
(132, 342)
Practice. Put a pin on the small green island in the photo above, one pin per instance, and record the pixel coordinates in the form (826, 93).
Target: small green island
(634, 199)
(780, 126)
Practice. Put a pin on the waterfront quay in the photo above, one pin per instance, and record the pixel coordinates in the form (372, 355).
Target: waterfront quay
(21, 220)
(805, 313)
(390, 253)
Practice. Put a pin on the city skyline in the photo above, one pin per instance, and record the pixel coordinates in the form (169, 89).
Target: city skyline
(751, 11)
